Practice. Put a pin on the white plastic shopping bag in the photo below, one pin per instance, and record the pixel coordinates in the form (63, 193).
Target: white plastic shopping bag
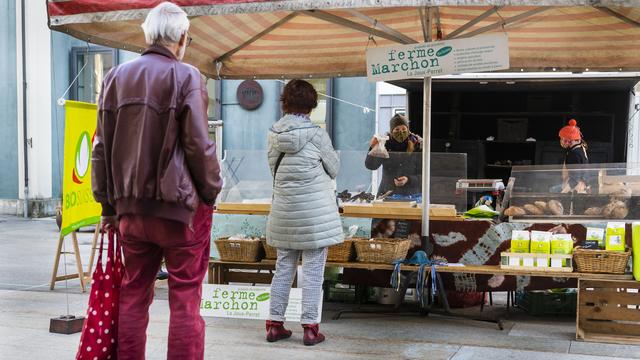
(379, 150)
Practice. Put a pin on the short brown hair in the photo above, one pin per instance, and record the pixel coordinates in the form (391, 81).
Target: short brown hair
(298, 97)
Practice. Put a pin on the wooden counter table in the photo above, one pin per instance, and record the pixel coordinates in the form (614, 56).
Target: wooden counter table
(223, 272)
(348, 210)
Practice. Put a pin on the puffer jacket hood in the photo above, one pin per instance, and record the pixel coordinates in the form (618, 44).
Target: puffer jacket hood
(292, 133)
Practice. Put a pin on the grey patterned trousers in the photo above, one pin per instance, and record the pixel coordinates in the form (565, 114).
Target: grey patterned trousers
(313, 262)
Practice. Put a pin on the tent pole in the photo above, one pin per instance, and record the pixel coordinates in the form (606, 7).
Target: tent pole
(426, 142)
(426, 163)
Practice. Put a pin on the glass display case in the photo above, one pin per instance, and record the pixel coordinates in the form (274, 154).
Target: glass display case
(573, 194)
(361, 179)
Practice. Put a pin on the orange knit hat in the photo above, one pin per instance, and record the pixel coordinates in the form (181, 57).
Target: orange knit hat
(571, 131)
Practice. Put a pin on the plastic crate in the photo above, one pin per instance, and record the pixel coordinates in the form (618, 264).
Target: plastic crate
(545, 302)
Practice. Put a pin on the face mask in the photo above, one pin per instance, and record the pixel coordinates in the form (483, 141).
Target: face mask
(400, 136)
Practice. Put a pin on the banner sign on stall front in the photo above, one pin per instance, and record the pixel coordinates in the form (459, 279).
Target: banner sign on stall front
(476, 54)
(78, 206)
(248, 302)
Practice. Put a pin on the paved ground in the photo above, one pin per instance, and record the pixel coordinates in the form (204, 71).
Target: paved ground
(26, 305)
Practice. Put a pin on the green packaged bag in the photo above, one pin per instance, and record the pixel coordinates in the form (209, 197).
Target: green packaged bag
(636, 250)
(541, 244)
(596, 234)
(561, 244)
(520, 241)
(615, 240)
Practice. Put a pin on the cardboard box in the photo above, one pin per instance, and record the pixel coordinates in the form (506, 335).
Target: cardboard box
(615, 238)
(515, 261)
(558, 263)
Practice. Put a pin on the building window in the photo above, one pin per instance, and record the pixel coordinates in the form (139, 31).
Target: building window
(319, 114)
(401, 111)
(214, 105)
(99, 60)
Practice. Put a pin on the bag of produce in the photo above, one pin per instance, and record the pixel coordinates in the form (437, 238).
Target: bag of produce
(481, 212)
(636, 250)
(561, 244)
(520, 241)
(615, 240)
(378, 149)
(596, 234)
(541, 244)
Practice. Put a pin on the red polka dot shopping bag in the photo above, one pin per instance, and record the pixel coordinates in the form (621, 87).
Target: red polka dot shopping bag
(99, 338)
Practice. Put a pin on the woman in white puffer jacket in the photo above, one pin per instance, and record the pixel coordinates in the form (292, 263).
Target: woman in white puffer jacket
(304, 218)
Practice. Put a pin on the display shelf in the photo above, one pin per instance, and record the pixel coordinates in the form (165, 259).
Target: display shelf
(496, 270)
(606, 192)
(575, 219)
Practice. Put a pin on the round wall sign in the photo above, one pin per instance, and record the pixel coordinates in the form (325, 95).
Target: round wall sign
(250, 94)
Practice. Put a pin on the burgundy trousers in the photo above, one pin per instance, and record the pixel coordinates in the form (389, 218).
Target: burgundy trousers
(146, 241)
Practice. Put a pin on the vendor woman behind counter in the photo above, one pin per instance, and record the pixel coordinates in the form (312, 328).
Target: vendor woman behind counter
(402, 171)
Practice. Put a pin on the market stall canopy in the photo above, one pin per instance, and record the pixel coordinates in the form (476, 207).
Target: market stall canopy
(312, 38)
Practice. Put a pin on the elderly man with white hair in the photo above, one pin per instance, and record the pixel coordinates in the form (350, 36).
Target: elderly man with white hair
(155, 172)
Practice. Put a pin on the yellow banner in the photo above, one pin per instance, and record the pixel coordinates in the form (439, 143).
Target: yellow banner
(78, 206)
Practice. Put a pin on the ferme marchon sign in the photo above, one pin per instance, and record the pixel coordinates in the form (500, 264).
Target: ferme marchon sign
(247, 302)
(476, 54)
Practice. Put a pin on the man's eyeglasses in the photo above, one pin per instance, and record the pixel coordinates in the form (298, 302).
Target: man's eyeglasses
(189, 40)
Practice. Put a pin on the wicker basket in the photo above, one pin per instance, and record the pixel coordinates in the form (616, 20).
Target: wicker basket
(382, 250)
(271, 253)
(341, 252)
(239, 250)
(601, 261)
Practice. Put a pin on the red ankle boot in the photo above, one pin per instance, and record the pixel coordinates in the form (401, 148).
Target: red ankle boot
(312, 334)
(276, 331)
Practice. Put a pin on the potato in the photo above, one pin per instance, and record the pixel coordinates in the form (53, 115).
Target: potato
(514, 211)
(593, 211)
(533, 210)
(555, 207)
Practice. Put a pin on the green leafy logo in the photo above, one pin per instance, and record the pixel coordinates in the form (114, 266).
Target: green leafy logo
(82, 157)
(263, 297)
(444, 51)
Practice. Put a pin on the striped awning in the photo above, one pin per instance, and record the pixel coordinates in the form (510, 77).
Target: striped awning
(285, 38)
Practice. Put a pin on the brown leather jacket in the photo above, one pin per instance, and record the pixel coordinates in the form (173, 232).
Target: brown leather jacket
(151, 153)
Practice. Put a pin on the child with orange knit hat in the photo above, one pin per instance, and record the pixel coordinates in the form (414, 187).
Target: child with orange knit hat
(576, 153)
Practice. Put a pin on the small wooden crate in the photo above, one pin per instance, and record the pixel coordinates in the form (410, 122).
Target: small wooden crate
(248, 250)
(382, 250)
(567, 265)
(609, 311)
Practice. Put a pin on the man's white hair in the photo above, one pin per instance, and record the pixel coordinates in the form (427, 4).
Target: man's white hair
(165, 24)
